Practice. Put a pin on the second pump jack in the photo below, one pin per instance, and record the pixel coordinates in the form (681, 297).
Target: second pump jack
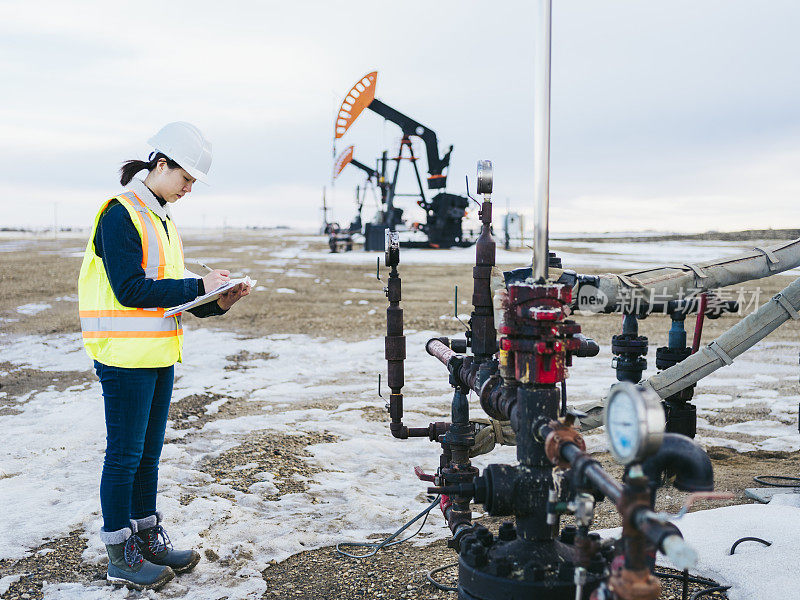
(444, 212)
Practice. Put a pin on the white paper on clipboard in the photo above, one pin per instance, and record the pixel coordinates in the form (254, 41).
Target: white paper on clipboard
(209, 297)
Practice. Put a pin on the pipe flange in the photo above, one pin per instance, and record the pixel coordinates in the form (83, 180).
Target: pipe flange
(561, 434)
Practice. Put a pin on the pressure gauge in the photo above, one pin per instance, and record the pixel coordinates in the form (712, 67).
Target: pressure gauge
(634, 420)
(484, 177)
(392, 257)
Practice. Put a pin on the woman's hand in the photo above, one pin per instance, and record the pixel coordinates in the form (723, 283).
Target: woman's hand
(230, 297)
(215, 279)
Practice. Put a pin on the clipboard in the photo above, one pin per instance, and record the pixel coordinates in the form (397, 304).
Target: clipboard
(209, 297)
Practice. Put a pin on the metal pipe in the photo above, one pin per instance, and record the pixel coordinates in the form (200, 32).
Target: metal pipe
(484, 334)
(678, 454)
(590, 469)
(698, 324)
(464, 372)
(665, 536)
(541, 138)
(395, 350)
(435, 347)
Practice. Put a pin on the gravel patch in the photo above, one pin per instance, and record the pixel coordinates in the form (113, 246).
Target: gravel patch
(281, 455)
(53, 562)
(190, 412)
(398, 572)
(240, 358)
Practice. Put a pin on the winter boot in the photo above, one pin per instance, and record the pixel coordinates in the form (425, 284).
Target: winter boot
(126, 566)
(155, 546)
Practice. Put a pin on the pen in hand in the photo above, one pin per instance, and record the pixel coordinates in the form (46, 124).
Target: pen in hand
(215, 278)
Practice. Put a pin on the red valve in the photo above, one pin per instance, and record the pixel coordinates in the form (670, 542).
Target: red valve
(444, 503)
(422, 475)
(545, 314)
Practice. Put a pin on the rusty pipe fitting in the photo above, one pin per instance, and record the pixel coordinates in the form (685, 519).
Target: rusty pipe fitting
(560, 434)
(634, 585)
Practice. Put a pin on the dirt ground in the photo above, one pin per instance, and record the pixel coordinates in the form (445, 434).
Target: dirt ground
(319, 305)
(44, 272)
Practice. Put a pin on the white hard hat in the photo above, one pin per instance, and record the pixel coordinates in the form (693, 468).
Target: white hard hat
(186, 145)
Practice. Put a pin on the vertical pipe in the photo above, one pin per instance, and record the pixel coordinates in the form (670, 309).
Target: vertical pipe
(541, 137)
(698, 324)
(484, 334)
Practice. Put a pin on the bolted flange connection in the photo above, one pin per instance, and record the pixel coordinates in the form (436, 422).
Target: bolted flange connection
(506, 566)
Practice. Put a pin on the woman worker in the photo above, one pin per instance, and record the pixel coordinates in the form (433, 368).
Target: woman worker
(132, 269)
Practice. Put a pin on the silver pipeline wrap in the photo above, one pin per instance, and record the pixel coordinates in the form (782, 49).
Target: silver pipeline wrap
(783, 306)
(671, 282)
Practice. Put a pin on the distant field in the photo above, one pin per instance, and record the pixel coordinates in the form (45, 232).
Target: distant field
(278, 445)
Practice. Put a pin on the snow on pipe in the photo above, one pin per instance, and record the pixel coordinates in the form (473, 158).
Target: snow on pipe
(742, 336)
(680, 281)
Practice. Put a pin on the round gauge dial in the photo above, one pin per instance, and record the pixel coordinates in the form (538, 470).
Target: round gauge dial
(634, 421)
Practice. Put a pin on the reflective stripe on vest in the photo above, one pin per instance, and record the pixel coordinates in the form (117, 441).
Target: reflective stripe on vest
(123, 322)
(122, 336)
(137, 322)
(153, 261)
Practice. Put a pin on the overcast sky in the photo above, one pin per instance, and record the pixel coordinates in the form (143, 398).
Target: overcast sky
(680, 115)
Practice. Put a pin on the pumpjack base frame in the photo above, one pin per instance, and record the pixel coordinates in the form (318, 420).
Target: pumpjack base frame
(411, 244)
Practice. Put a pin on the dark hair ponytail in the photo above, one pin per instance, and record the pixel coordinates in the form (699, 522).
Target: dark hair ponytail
(132, 167)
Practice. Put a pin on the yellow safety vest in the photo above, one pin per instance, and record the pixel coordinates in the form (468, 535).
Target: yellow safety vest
(121, 336)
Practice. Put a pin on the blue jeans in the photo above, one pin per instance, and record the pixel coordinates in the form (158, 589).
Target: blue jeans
(136, 407)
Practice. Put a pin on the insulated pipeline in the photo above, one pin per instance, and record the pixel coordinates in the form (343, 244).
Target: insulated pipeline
(742, 336)
(669, 282)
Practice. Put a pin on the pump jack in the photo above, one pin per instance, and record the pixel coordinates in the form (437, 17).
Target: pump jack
(444, 212)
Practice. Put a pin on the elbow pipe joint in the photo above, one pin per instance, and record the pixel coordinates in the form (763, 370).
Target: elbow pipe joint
(588, 347)
(432, 431)
(691, 465)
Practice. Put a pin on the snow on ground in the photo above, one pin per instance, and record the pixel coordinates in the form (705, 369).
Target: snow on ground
(614, 256)
(610, 256)
(713, 532)
(52, 466)
(32, 309)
